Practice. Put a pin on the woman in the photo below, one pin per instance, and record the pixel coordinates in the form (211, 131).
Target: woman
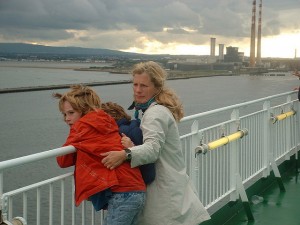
(170, 198)
(92, 131)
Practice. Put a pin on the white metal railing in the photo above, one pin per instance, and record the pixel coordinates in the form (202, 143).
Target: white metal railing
(223, 174)
(220, 175)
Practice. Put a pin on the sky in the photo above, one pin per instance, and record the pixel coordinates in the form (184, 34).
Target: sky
(153, 26)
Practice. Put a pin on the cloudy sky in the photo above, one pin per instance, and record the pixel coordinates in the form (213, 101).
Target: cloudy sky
(152, 26)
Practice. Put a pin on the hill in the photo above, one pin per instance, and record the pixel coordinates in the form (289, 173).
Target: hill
(13, 49)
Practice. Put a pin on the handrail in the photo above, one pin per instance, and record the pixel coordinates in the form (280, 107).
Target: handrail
(283, 116)
(220, 142)
(38, 184)
(214, 111)
(36, 157)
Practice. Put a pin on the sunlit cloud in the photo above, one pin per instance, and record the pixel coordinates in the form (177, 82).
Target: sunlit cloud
(283, 45)
(172, 48)
(185, 29)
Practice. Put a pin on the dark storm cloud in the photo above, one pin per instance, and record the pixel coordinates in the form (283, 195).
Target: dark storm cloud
(190, 21)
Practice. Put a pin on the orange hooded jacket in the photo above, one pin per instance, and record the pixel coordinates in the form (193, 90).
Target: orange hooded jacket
(96, 133)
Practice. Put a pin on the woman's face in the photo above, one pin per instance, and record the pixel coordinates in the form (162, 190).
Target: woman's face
(143, 88)
(70, 115)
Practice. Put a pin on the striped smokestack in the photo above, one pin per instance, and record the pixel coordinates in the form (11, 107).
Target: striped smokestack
(252, 44)
(258, 56)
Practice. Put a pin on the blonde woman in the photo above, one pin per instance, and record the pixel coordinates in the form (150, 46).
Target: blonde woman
(170, 198)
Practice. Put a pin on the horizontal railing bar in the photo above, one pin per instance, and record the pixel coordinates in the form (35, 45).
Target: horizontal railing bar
(207, 128)
(36, 185)
(219, 199)
(36, 157)
(211, 112)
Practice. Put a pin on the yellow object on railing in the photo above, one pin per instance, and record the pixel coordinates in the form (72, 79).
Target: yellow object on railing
(283, 116)
(220, 142)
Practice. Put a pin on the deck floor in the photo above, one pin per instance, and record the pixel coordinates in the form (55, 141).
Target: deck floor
(277, 208)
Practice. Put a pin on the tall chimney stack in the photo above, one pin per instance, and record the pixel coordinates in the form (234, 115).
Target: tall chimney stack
(212, 46)
(252, 44)
(221, 52)
(258, 56)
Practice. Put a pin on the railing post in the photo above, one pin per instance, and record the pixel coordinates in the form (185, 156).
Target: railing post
(233, 158)
(288, 137)
(298, 133)
(73, 202)
(62, 202)
(236, 177)
(1, 193)
(3, 201)
(193, 159)
(266, 139)
(272, 158)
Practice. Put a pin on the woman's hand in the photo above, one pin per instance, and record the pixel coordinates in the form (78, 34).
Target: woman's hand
(113, 159)
(126, 141)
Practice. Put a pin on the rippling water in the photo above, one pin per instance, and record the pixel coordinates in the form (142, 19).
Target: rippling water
(25, 74)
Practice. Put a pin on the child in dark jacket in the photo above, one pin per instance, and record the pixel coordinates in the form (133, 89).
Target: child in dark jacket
(130, 128)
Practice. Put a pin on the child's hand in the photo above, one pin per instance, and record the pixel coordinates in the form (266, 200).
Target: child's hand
(126, 141)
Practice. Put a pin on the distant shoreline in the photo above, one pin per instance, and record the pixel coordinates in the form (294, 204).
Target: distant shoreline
(172, 74)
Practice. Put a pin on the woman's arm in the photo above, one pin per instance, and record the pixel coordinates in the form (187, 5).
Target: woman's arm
(154, 126)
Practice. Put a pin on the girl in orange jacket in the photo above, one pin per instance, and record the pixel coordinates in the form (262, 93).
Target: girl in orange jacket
(92, 132)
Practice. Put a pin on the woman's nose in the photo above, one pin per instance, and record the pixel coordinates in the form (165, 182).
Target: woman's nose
(138, 89)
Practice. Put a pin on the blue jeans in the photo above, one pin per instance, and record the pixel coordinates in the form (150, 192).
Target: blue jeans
(124, 208)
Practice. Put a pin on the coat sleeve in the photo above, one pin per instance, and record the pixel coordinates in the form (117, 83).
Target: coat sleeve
(154, 125)
(66, 160)
(69, 159)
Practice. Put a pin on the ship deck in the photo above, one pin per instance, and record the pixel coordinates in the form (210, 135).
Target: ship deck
(277, 207)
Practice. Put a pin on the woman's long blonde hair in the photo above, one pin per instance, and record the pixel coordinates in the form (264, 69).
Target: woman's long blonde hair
(165, 96)
(82, 99)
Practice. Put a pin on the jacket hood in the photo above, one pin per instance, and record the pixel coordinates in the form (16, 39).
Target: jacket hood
(101, 121)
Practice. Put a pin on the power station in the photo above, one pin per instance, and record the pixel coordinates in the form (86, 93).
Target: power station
(254, 61)
(233, 59)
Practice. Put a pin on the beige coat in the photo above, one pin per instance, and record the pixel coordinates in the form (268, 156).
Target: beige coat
(170, 199)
